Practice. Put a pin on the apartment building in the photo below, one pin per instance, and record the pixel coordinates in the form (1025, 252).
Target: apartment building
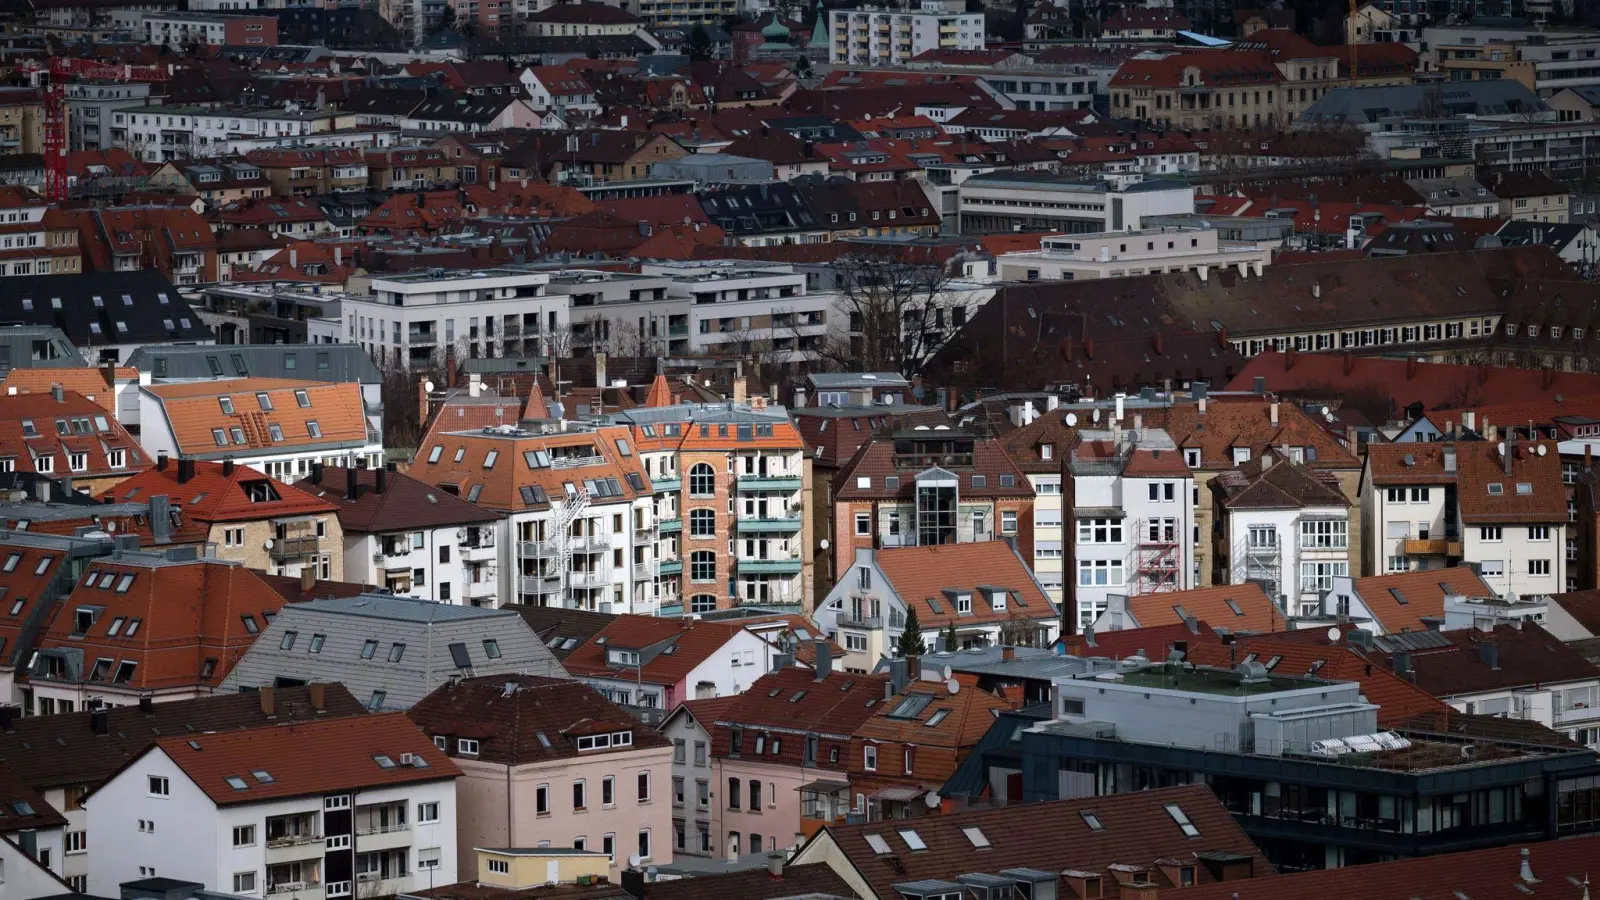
(277, 426)
(375, 814)
(169, 133)
(688, 728)
(413, 318)
(177, 30)
(64, 435)
(981, 592)
(1500, 505)
(873, 36)
(249, 517)
(1004, 202)
(1127, 253)
(731, 488)
(1235, 609)
(1281, 525)
(734, 306)
(652, 664)
(163, 625)
(35, 239)
(89, 105)
(579, 511)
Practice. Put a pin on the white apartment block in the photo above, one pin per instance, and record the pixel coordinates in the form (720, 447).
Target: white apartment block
(1133, 509)
(411, 318)
(1283, 526)
(1040, 201)
(727, 305)
(89, 107)
(160, 134)
(872, 36)
(1079, 257)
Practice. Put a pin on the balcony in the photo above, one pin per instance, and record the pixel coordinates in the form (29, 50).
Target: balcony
(768, 483)
(538, 584)
(294, 547)
(866, 623)
(665, 485)
(786, 523)
(1431, 547)
(305, 890)
(787, 565)
(680, 330)
(589, 579)
(669, 526)
(589, 543)
(481, 590)
(481, 550)
(644, 571)
(530, 549)
(670, 567)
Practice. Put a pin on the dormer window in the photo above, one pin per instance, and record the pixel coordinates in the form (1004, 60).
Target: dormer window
(1047, 451)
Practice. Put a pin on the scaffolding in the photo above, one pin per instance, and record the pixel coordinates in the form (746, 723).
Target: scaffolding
(1158, 557)
(535, 550)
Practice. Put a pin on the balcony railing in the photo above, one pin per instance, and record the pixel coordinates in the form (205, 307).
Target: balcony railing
(865, 622)
(670, 567)
(768, 483)
(1431, 547)
(663, 485)
(589, 579)
(292, 840)
(669, 526)
(382, 829)
(784, 565)
(538, 584)
(785, 523)
(289, 887)
(644, 571)
(294, 547)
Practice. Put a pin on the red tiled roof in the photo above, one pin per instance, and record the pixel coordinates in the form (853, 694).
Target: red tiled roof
(1151, 642)
(794, 699)
(921, 575)
(1479, 468)
(212, 496)
(405, 504)
(1434, 385)
(1237, 68)
(1526, 655)
(695, 641)
(1397, 698)
(1250, 609)
(38, 426)
(1424, 592)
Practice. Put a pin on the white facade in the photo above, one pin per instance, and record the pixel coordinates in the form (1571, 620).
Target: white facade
(28, 877)
(451, 564)
(412, 318)
(1295, 553)
(728, 303)
(267, 848)
(727, 672)
(89, 106)
(160, 134)
(1125, 254)
(870, 36)
(289, 464)
(1002, 201)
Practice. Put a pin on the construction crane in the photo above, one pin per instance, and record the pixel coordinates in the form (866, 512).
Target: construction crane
(59, 70)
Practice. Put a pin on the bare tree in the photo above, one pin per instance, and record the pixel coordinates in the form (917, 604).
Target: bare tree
(890, 306)
(558, 342)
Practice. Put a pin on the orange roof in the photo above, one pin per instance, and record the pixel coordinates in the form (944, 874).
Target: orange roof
(660, 394)
(218, 419)
(922, 575)
(26, 580)
(90, 382)
(1234, 608)
(694, 640)
(1399, 602)
(213, 494)
(307, 758)
(164, 625)
(1479, 469)
(39, 433)
(494, 469)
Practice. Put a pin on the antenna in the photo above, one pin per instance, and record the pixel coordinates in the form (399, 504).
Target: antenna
(633, 859)
(945, 673)
(1543, 449)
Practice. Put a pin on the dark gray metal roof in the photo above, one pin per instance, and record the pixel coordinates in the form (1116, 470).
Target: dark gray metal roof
(16, 348)
(314, 362)
(1369, 104)
(100, 308)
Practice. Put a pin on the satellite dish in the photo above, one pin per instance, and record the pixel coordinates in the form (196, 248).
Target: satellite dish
(945, 673)
(932, 799)
(1072, 420)
(268, 544)
(633, 859)
(111, 528)
(1326, 411)
(953, 686)
(428, 385)
(1543, 449)
(824, 544)
(1096, 415)
(1500, 448)
(1334, 633)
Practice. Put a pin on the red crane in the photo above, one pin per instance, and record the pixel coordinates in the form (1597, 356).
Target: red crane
(60, 70)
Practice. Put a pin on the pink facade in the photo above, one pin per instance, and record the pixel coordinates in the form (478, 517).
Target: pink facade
(777, 822)
(500, 806)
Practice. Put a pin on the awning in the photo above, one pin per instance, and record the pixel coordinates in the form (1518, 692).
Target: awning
(1099, 512)
(900, 793)
(824, 786)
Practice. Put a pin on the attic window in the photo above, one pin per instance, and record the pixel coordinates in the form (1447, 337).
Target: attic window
(262, 775)
(1091, 820)
(265, 400)
(1182, 818)
(237, 783)
(1524, 487)
(302, 398)
(313, 429)
(1496, 488)
(976, 836)
(227, 405)
(489, 458)
(913, 840)
(879, 845)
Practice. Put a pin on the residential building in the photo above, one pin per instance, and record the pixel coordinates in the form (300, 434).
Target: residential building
(732, 306)
(162, 625)
(64, 756)
(688, 728)
(166, 133)
(370, 807)
(870, 36)
(64, 435)
(774, 750)
(35, 239)
(502, 312)
(89, 106)
(180, 30)
(982, 591)
(551, 763)
(652, 664)
(249, 517)
(1004, 202)
(1398, 603)
(38, 572)
(305, 173)
(578, 509)
(924, 486)
(34, 831)
(1499, 505)
(1282, 525)
(726, 476)
(1234, 609)
(1106, 255)
(1151, 842)
(277, 426)
(1164, 723)
(1532, 196)
(389, 651)
(413, 539)
(106, 315)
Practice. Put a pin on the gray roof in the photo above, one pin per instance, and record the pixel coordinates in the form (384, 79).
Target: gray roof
(1552, 234)
(700, 413)
(841, 380)
(99, 308)
(1367, 105)
(432, 634)
(344, 362)
(16, 348)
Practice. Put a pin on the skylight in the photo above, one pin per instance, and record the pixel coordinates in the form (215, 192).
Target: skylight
(262, 775)
(1182, 818)
(384, 762)
(878, 844)
(976, 836)
(1091, 820)
(913, 840)
(237, 783)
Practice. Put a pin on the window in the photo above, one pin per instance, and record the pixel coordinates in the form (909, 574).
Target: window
(244, 882)
(644, 787)
(608, 846)
(1539, 532)
(317, 641)
(396, 652)
(863, 524)
(702, 480)
(289, 637)
(1178, 815)
(702, 523)
(541, 800)
(368, 649)
(78, 841)
(703, 566)
(1008, 521)
(244, 835)
(1539, 567)
(1100, 572)
(1099, 531)
(608, 791)
(869, 758)
(491, 648)
(428, 858)
(579, 797)
(1162, 491)
(1316, 577)
(427, 813)
(466, 747)
(1324, 534)
(1491, 534)
(501, 866)
(313, 429)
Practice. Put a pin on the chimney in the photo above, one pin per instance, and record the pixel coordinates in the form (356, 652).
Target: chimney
(1489, 653)
(1008, 653)
(227, 467)
(449, 369)
(269, 700)
(1138, 890)
(8, 714)
(338, 256)
(185, 470)
(160, 519)
(58, 392)
(474, 385)
(308, 579)
(318, 694)
(1288, 359)
(111, 375)
(600, 370)
(382, 480)
(1525, 870)
(100, 721)
(824, 659)
(294, 257)
(1349, 362)
(1120, 399)
(775, 865)
(1510, 451)
(422, 401)
(350, 483)
(740, 391)
(1274, 414)
(161, 462)
(897, 676)
(1469, 420)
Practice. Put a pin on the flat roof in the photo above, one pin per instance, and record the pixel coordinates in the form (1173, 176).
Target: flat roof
(1201, 680)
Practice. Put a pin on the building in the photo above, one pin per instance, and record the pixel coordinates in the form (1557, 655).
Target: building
(413, 539)
(652, 664)
(180, 30)
(494, 312)
(579, 526)
(328, 807)
(1118, 728)
(551, 763)
(1234, 609)
(35, 239)
(689, 729)
(106, 315)
(1106, 255)
(740, 307)
(64, 435)
(925, 486)
(982, 592)
(726, 475)
(1398, 603)
(161, 625)
(870, 36)
(89, 105)
(1005, 202)
(1499, 505)
(1281, 525)
(1156, 841)
(389, 651)
(280, 427)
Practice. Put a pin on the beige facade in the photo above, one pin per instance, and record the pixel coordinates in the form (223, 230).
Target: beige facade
(314, 541)
(520, 869)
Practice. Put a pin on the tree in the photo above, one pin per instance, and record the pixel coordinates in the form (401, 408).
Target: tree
(950, 636)
(911, 642)
(699, 44)
(889, 302)
(447, 18)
